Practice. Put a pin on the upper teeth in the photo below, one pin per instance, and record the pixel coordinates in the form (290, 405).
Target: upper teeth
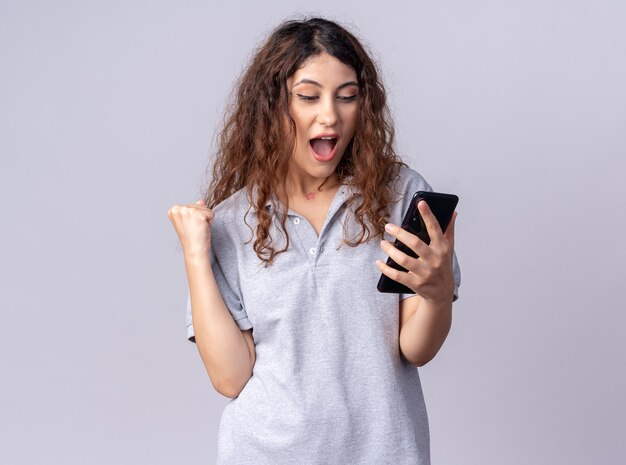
(327, 137)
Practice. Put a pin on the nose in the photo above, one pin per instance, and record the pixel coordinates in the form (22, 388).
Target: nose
(327, 113)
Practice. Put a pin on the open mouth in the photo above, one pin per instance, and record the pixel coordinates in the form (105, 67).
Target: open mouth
(324, 148)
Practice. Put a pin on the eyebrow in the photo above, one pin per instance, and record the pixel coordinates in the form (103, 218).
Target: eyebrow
(310, 81)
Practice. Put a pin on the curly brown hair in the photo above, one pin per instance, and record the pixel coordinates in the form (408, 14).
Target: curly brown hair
(255, 146)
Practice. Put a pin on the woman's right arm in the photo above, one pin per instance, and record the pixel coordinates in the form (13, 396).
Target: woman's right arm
(227, 352)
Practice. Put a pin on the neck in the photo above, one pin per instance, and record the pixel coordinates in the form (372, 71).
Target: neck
(310, 187)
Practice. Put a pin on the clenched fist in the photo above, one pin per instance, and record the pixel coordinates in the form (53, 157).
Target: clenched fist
(193, 226)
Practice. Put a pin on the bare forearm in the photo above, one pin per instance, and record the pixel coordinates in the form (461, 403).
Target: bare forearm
(221, 344)
(425, 332)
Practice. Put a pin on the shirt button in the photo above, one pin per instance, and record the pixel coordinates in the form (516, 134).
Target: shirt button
(296, 220)
(312, 250)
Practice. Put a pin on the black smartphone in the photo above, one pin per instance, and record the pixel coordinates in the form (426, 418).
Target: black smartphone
(443, 206)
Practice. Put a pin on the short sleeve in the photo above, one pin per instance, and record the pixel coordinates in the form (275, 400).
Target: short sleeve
(410, 182)
(457, 277)
(225, 266)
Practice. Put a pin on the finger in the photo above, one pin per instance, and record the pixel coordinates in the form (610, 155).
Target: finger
(191, 210)
(449, 234)
(410, 240)
(204, 207)
(432, 225)
(173, 212)
(401, 276)
(401, 258)
(207, 212)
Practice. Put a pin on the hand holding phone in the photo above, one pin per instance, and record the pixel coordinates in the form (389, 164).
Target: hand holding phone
(442, 206)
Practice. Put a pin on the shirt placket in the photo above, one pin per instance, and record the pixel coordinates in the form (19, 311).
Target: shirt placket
(313, 245)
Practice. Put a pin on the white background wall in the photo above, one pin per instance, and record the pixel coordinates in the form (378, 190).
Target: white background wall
(107, 112)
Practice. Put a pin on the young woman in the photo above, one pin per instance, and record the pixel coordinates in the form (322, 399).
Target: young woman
(284, 253)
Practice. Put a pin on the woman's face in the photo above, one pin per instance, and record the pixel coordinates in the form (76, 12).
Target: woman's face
(324, 103)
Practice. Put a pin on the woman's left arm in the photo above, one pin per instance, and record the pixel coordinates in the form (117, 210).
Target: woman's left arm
(425, 319)
(423, 329)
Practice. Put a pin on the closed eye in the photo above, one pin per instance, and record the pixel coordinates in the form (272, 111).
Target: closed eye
(340, 97)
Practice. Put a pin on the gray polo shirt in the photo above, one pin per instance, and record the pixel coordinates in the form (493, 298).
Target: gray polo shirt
(329, 385)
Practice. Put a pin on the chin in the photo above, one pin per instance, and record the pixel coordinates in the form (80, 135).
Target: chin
(325, 170)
